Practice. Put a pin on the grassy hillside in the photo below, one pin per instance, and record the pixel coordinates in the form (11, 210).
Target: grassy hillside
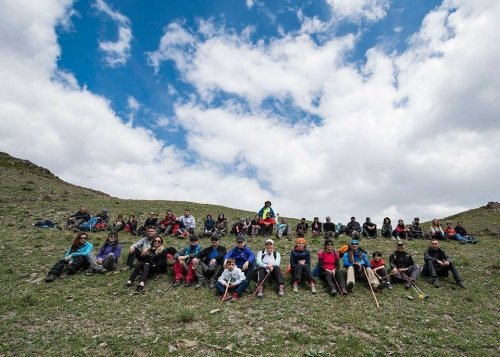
(95, 315)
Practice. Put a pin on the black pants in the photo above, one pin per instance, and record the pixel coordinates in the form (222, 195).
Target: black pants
(266, 230)
(249, 272)
(330, 282)
(77, 264)
(135, 255)
(275, 274)
(302, 270)
(146, 270)
(433, 269)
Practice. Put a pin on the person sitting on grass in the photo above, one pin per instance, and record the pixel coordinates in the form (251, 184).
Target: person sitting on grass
(232, 280)
(353, 228)
(243, 256)
(107, 256)
(462, 235)
(316, 227)
(221, 224)
(339, 229)
(139, 249)
(386, 230)
(282, 228)
(330, 273)
(401, 262)
(378, 266)
(155, 263)
(369, 228)
(151, 221)
(266, 225)
(268, 262)
(74, 260)
(131, 225)
(187, 224)
(238, 228)
(209, 226)
(438, 264)
(168, 224)
(416, 231)
(329, 228)
(255, 226)
(358, 266)
(208, 263)
(302, 227)
(300, 265)
(401, 231)
(77, 219)
(102, 220)
(184, 262)
(436, 230)
(119, 224)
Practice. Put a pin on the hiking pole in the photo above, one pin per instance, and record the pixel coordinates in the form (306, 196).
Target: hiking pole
(371, 287)
(225, 293)
(258, 286)
(421, 294)
(338, 286)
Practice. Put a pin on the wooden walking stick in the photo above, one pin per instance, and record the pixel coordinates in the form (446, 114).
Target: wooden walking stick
(338, 286)
(371, 287)
(257, 287)
(225, 293)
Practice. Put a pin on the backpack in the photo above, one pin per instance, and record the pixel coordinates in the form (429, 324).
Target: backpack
(274, 253)
(89, 225)
(316, 272)
(46, 223)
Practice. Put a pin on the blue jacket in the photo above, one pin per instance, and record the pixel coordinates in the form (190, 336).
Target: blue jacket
(106, 249)
(358, 257)
(261, 212)
(241, 256)
(83, 251)
(296, 255)
(189, 250)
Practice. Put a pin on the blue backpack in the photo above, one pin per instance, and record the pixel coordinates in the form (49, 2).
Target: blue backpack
(89, 225)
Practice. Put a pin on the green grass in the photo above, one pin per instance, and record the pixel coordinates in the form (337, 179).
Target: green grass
(96, 315)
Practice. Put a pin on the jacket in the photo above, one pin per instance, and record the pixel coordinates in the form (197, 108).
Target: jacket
(190, 250)
(263, 259)
(436, 254)
(241, 256)
(400, 260)
(204, 255)
(187, 222)
(353, 226)
(143, 243)
(82, 251)
(328, 260)
(264, 210)
(106, 249)
(296, 255)
(81, 215)
(235, 277)
(358, 256)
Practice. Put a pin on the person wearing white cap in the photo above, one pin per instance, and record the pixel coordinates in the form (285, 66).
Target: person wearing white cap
(268, 262)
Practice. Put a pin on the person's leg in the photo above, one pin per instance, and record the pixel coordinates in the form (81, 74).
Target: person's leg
(339, 277)
(58, 268)
(190, 273)
(93, 262)
(109, 262)
(178, 271)
(240, 289)
(137, 270)
(350, 278)
(297, 272)
(327, 278)
(414, 272)
(278, 276)
(249, 271)
(454, 272)
(372, 279)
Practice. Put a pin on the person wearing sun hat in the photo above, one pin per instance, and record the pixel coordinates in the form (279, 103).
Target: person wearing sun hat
(358, 266)
(300, 265)
(268, 262)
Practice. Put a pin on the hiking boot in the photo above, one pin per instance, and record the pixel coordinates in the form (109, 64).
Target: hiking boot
(407, 286)
(461, 284)
(260, 292)
(64, 275)
(313, 288)
(436, 282)
(199, 284)
(128, 284)
(281, 290)
(350, 287)
(177, 283)
(188, 284)
(50, 278)
(212, 283)
(343, 291)
(333, 292)
(295, 287)
(382, 285)
(235, 297)
(140, 288)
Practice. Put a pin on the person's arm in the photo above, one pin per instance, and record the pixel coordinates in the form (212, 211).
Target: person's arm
(84, 250)
(347, 263)
(320, 260)
(293, 259)
(277, 262)
(259, 260)
(392, 262)
(240, 279)
(223, 278)
(308, 259)
(411, 262)
(117, 252)
(251, 256)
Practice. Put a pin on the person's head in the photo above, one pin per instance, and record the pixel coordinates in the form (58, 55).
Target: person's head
(283, 221)
(303, 220)
(459, 224)
(152, 215)
(416, 220)
(434, 244)
(401, 222)
(151, 231)
(82, 209)
(119, 217)
(215, 241)
(353, 219)
(193, 240)
(301, 244)
(168, 212)
(368, 219)
(112, 238)
(328, 219)
(240, 241)
(209, 216)
(269, 245)
(268, 215)
(377, 256)
(104, 211)
(221, 216)
(187, 213)
(157, 242)
(256, 218)
(131, 217)
(328, 245)
(230, 264)
(80, 239)
(267, 203)
(315, 219)
(387, 220)
(435, 222)
(400, 246)
(354, 245)
(448, 224)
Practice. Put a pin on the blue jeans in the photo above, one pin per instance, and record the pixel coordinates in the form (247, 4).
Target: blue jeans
(240, 288)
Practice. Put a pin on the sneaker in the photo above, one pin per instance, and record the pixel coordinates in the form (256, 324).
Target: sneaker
(177, 283)
(187, 284)
(313, 288)
(350, 287)
(281, 290)
(461, 284)
(212, 284)
(128, 284)
(260, 292)
(199, 284)
(50, 278)
(343, 291)
(295, 287)
(333, 292)
(389, 286)
(235, 297)
(140, 288)
(381, 286)
(436, 283)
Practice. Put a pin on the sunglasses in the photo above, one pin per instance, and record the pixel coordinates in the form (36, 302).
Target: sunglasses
(157, 241)
(112, 236)
(83, 237)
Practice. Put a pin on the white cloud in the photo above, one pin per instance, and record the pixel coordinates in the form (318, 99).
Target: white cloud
(356, 10)
(116, 53)
(250, 3)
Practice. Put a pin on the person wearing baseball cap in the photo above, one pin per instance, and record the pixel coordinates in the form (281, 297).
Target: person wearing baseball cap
(243, 256)
(208, 262)
(401, 262)
(268, 265)
(183, 267)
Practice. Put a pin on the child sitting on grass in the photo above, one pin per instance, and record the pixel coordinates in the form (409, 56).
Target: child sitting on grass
(232, 278)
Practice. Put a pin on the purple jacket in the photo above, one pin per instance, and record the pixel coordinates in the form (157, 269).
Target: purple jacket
(106, 249)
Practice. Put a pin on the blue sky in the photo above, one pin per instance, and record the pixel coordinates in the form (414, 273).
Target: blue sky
(336, 107)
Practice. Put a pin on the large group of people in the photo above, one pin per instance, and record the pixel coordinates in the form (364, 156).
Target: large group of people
(229, 271)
